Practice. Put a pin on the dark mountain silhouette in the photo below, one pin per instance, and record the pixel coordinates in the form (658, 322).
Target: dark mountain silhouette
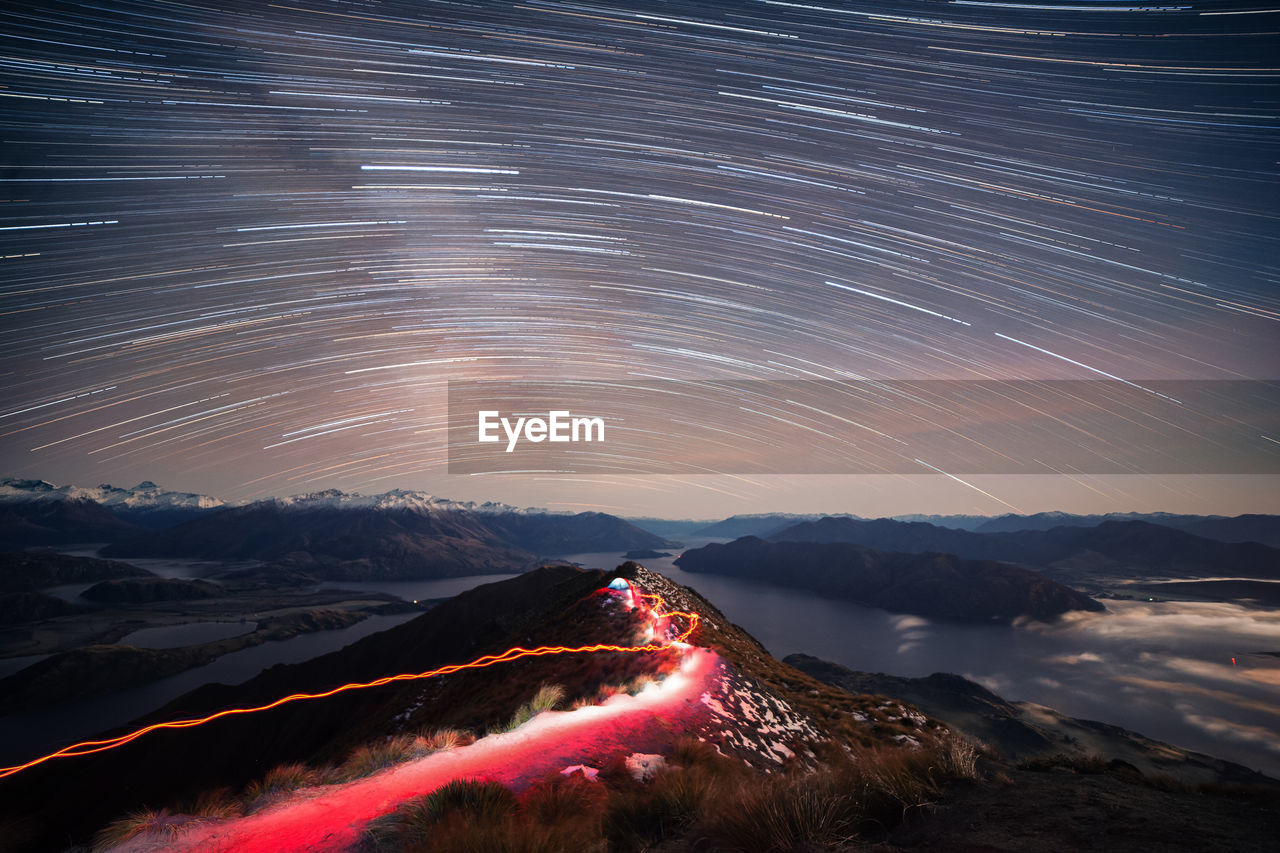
(1012, 522)
(1132, 547)
(19, 607)
(585, 532)
(27, 523)
(144, 590)
(357, 543)
(960, 522)
(27, 571)
(1242, 528)
(937, 585)
(337, 543)
(668, 528)
(762, 525)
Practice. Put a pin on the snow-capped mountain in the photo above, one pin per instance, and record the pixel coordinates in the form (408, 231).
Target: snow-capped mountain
(144, 497)
(401, 499)
(394, 499)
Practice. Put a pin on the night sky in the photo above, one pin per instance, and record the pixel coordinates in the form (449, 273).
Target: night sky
(245, 245)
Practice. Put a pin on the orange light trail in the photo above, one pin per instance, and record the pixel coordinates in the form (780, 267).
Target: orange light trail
(516, 653)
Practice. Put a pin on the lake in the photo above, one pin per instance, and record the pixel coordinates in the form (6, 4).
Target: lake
(1163, 669)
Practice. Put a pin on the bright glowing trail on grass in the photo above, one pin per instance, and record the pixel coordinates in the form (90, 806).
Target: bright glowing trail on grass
(655, 609)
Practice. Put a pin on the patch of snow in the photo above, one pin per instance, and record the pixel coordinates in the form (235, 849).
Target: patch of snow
(589, 773)
(714, 704)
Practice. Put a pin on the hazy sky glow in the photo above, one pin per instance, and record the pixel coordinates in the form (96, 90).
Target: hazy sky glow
(244, 246)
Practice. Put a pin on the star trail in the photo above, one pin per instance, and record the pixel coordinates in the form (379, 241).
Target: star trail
(245, 246)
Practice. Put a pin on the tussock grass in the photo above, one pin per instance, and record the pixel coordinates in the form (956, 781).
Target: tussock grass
(508, 835)
(560, 799)
(158, 824)
(422, 819)
(546, 699)
(1089, 765)
(853, 794)
(637, 818)
(959, 759)
(469, 798)
(783, 814)
(279, 781)
(218, 803)
(370, 758)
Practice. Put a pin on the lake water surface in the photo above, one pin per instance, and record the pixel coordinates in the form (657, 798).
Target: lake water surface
(1163, 669)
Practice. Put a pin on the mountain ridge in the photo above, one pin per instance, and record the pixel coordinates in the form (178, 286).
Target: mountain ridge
(1060, 550)
(929, 584)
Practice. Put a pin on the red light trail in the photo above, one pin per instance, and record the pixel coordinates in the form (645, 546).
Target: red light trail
(516, 653)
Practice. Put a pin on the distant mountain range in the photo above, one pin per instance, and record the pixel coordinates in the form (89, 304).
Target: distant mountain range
(330, 534)
(936, 585)
(361, 540)
(1243, 528)
(1116, 548)
(144, 505)
(756, 524)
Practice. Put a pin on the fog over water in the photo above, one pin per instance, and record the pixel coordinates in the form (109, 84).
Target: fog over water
(1163, 669)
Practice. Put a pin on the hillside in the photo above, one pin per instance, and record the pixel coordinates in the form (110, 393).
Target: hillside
(745, 702)
(28, 523)
(28, 571)
(936, 585)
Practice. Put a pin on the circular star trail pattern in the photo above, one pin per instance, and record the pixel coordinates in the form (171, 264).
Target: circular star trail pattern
(244, 246)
